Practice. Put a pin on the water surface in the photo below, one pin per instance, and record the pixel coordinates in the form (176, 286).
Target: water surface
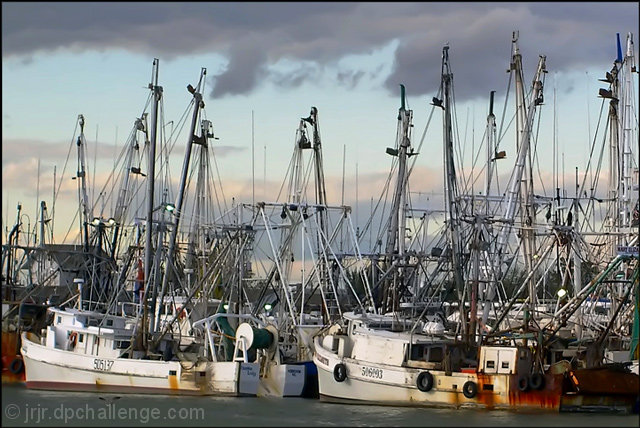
(25, 407)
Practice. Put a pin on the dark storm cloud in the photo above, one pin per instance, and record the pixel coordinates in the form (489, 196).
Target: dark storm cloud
(254, 36)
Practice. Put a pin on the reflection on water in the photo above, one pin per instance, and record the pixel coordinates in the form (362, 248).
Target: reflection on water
(23, 407)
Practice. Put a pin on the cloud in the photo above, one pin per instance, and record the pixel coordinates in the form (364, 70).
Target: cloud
(255, 36)
(223, 151)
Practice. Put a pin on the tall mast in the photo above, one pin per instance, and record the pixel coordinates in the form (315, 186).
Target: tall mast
(321, 201)
(614, 172)
(516, 178)
(395, 246)
(628, 138)
(491, 147)
(198, 104)
(85, 214)
(124, 192)
(623, 139)
(451, 187)
(148, 249)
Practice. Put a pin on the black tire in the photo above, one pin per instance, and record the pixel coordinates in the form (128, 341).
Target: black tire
(470, 389)
(523, 383)
(536, 381)
(425, 381)
(340, 372)
(16, 366)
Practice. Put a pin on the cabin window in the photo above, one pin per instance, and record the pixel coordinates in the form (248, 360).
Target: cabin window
(122, 344)
(172, 373)
(487, 387)
(81, 338)
(491, 364)
(435, 355)
(59, 319)
(505, 364)
(109, 323)
(417, 352)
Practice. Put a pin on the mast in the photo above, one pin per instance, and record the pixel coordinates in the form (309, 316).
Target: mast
(330, 297)
(623, 139)
(82, 187)
(395, 246)
(516, 182)
(123, 200)
(491, 147)
(148, 250)
(321, 192)
(628, 139)
(451, 188)
(192, 138)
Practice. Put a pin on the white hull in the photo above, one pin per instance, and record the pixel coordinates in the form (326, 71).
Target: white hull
(50, 368)
(282, 380)
(392, 385)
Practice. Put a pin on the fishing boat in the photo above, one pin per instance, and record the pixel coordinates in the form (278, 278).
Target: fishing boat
(99, 344)
(394, 358)
(89, 351)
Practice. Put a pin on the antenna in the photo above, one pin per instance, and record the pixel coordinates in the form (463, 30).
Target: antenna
(619, 58)
(37, 198)
(253, 170)
(357, 194)
(344, 151)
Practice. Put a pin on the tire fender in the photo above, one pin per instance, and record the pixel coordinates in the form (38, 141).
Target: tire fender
(16, 366)
(523, 383)
(536, 381)
(470, 389)
(425, 381)
(340, 372)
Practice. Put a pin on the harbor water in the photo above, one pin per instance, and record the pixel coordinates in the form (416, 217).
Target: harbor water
(26, 407)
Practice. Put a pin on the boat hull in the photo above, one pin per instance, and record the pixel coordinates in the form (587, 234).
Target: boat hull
(283, 380)
(398, 387)
(56, 369)
(369, 382)
(12, 370)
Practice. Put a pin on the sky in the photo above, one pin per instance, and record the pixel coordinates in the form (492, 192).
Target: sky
(267, 64)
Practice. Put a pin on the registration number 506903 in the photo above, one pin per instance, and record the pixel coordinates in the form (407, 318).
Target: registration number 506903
(372, 372)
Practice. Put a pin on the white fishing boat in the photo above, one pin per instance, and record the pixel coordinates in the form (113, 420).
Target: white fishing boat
(368, 362)
(89, 351)
(256, 344)
(98, 346)
(404, 359)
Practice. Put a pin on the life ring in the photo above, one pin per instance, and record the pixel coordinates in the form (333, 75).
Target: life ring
(340, 372)
(16, 366)
(425, 381)
(73, 339)
(182, 313)
(536, 381)
(523, 383)
(470, 389)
